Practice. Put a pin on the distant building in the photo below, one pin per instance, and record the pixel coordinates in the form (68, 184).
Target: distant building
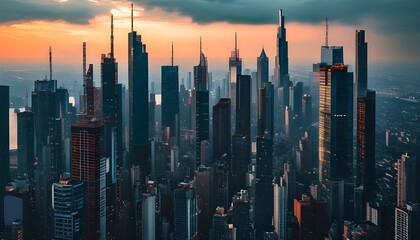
(26, 148)
(312, 218)
(4, 148)
(280, 209)
(241, 215)
(360, 231)
(185, 212)
(221, 128)
(262, 69)
(170, 98)
(70, 209)
(220, 225)
(407, 222)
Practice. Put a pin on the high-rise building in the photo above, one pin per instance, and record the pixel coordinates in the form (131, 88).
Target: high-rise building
(4, 148)
(238, 164)
(241, 215)
(401, 180)
(205, 191)
(221, 128)
(262, 69)
(149, 214)
(70, 208)
(88, 165)
(185, 212)
(221, 183)
(281, 69)
(111, 137)
(307, 111)
(365, 148)
(235, 69)
(243, 105)
(220, 229)
(303, 155)
(360, 230)
(47, 133)
(280, 208)
(201, 104)
(138, 114)
(312, 218)
(407, 180)
(263, 186)
(407, 220)
(266, 110)
(170, 97)
(361, 63)
(297, 98)
(25, 134)
(335, 125)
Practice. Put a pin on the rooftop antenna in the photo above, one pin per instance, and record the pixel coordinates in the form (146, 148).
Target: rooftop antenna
(50, 64)
(200, 45)
(132, 17)
(112, 36)
(326, 32)
(172, 60)
(236, 46)
(84, 73)
(280, 17)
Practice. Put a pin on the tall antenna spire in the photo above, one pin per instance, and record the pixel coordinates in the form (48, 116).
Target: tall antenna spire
(112, 36)
(236, 46)
(326, 32)
(280, 17)
(132, 13)
(50, 64)
(84, 71)
(172, 59)
(200, 45)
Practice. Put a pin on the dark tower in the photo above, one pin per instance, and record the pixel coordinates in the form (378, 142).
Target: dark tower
(281, 70)
(109, 81)
(4, 148)
(170, 97)
(201, 103)
(361, 63)
(221, 129)
(25, 132)
(138, 82)
(262, 69)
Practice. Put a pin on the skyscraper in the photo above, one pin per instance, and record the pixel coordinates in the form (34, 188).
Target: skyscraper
(4, 148)
(263, 186)
(109, 81)
(262, 69)
(281, 69)
(70, 208)
(241, 216)
(280, 208)
(307, 111)
(407, 220)
(221, 128)
(201, 104)
(335, 124)
(170, 97)
(205, 191)
(138, 84)
(312, 218)
(185, 212)
(361, 63)
(407, 180)
(149, 215)
(365, 148)
(25, 121)
(88, 165)
(243, 106)
(266, 110)
(235, 69)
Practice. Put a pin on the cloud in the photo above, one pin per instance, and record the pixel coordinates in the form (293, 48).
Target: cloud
(72, 11)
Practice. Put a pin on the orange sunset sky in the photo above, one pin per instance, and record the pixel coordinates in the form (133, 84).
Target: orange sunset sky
(25, 40)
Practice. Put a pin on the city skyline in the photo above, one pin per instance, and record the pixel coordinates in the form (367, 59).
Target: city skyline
(161, 27)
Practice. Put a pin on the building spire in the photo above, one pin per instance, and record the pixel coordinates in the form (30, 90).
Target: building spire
(326, 32)
(236, 45)
(172, 59)
(50, 64)
(112, 36)
(84, 67)
(132, 13)
(200, 45)
(280, 17)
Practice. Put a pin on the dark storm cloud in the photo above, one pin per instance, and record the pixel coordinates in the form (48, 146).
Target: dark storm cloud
(72, 11)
